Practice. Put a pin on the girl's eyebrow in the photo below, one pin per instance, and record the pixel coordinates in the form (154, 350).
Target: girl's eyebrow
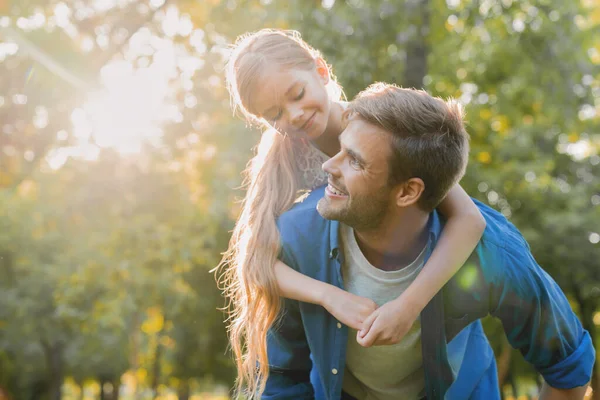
(292, 86)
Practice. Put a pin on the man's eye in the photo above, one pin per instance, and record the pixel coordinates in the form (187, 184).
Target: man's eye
(300, 95)
(355, 163)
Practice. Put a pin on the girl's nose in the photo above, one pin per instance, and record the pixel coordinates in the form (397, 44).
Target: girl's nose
(296, 114)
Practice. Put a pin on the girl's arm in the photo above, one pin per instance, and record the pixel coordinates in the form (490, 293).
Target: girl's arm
(349, 309)
(464, 227)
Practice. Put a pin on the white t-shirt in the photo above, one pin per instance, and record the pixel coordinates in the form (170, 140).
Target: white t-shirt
(381, 372)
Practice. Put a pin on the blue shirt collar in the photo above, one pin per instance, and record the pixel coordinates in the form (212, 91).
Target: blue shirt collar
(434, 225)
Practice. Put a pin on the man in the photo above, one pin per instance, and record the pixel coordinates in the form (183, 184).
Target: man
(375, 227)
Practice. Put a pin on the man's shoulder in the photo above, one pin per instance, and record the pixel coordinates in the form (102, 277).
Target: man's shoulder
(502, 253)
(502, 258)
(303, 217)
(304, 208)
(499, 231)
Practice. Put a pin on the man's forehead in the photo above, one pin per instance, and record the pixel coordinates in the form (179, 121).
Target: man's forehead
(358, 127)
(364, 137)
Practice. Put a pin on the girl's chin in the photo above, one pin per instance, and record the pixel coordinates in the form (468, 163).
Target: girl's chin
(316, 130)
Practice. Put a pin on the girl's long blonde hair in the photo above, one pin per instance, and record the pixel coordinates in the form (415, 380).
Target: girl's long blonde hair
(272, 180)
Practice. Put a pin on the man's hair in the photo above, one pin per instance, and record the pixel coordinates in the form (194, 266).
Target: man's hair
(428, 137)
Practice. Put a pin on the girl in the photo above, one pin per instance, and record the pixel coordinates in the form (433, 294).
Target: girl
(279, 81)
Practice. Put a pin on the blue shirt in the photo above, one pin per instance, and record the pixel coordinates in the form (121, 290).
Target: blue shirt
(307, 349)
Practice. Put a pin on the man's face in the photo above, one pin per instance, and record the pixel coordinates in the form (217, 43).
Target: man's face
(358, 193)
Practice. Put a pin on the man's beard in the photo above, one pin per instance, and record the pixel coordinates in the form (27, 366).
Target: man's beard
(361, 213)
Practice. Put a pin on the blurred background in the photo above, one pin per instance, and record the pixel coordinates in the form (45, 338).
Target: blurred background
(120, 165)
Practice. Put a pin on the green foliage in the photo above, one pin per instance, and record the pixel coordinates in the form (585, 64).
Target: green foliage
(104, 264)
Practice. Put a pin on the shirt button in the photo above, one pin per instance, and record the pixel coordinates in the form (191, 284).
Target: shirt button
(339, 325)
(334, 371)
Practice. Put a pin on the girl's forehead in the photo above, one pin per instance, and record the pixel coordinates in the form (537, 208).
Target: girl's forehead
(273, 84)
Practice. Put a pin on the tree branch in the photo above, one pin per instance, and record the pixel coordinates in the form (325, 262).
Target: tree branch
(118, 48)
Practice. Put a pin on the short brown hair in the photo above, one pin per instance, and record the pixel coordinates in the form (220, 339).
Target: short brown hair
(429, 140)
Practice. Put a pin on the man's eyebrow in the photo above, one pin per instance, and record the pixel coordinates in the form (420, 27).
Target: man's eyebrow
(354, 155)
(292, 86)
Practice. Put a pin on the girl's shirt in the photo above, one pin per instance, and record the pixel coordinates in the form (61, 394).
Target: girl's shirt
(309, 163)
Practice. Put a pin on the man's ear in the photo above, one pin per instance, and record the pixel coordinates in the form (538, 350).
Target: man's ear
(347, 116)
(409, 192)
(323, 70)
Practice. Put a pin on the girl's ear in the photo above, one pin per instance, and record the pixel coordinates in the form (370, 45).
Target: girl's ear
(323, 70)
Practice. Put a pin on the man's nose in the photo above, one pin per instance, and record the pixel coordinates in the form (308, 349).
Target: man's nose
(331, 166)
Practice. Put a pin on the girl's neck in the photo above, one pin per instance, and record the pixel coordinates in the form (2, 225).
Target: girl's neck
(329, 142)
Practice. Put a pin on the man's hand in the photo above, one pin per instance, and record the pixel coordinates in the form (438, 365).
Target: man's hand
(388, 324)
(348, 308)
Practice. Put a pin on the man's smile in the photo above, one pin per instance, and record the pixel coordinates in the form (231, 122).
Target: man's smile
(333, 191)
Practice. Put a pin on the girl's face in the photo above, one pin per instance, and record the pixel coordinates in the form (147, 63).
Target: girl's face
(294, 101)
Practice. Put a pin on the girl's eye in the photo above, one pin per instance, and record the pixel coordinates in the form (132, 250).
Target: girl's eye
(276, 117)
(300, 95)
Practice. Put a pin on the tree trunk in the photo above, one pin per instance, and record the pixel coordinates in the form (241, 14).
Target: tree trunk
(587, 320)
(102, 394)
(183, 392)
(39, 390)
(503, 361)
(417, 49)
(55, 367)
(134, 344)
(116, 388)
(156, 368)
(113, 384)
(81, 392)
(157, 359)
(513, 384)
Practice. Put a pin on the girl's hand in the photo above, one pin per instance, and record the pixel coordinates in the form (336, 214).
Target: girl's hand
(348, 308)
(388, 324)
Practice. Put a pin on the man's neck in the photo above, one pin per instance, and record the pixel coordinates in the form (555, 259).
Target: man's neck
(397, 242)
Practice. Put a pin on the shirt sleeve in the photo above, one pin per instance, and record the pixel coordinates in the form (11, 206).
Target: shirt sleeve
(539, 321)
(288, 352)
